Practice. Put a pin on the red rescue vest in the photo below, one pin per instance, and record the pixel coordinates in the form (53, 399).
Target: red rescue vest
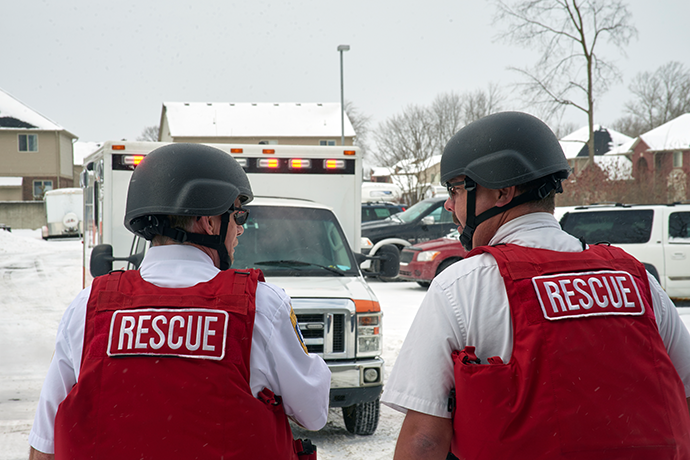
(589, 376)
(165, 374)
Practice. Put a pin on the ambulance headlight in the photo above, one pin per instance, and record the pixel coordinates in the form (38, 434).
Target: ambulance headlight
(369, 334)
(371, 375)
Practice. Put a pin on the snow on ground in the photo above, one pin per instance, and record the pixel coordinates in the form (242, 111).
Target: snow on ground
(38, 279)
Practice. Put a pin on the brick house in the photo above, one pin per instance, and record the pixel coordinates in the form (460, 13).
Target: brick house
(35, 152)
(661, 159)
(606, 144)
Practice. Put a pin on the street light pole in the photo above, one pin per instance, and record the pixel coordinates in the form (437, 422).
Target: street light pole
(342, 48)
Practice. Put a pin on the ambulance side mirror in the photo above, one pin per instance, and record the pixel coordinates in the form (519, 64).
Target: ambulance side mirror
(385, 263)
(101, 262)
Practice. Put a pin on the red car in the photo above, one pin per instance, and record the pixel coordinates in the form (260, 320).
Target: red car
(423, 261)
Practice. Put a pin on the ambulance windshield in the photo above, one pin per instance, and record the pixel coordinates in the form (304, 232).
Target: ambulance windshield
(284, 241)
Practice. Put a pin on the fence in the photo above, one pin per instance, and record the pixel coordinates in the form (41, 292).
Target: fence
(23, 214)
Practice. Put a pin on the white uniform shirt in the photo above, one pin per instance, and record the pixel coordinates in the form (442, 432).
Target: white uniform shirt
(278, 361)
(467, 304)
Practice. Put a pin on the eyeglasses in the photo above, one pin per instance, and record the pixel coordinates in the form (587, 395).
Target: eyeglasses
(241, 216)
(451, 186)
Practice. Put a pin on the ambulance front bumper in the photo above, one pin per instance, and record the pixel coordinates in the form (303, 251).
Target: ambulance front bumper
(355, 382)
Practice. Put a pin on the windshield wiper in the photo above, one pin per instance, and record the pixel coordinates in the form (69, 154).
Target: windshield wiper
(299, 263)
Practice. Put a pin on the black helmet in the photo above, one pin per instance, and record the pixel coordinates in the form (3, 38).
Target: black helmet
(184, 180)
(502, 150)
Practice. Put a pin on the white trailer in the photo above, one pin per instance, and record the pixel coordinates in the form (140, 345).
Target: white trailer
(302, 228)
(64, 213)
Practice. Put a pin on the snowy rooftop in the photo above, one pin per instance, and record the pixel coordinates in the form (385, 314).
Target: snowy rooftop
(15, 114)
(11, 181)
(617, 167)
(574, 142)
(201, 119)
(674, 134)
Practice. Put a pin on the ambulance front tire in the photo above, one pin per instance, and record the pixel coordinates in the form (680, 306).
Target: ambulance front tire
(363, 418)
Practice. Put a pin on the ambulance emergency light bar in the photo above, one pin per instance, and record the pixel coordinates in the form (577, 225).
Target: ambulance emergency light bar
(127, 162)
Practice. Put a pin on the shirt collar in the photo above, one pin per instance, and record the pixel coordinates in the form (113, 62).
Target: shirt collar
(177, 265)
(536, 230)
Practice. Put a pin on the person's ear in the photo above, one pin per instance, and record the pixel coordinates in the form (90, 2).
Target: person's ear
(206, 225)
(505, 195)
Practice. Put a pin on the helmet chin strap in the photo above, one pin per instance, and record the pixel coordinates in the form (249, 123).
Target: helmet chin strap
(216, 242)
(472, 221)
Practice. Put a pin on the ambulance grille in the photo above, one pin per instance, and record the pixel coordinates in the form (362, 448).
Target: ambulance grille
(314, 330)
(338, 333)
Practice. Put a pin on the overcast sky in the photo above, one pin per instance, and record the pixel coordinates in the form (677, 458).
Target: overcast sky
(102, 70)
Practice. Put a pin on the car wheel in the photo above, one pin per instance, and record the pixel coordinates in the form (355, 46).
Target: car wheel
(653, 271)
(424, 284)
(445, 264)
(386, 279)
(362, 418)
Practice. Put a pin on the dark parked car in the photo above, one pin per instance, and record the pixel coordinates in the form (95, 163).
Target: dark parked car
(426, 220)
(379, 210)
(423, 261)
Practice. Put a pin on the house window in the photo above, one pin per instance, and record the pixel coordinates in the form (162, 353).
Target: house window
(28, 142)
(41, 187)
(677, 159)
(326, 142)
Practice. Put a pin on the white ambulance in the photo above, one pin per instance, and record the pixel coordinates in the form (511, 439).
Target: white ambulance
(303, 224)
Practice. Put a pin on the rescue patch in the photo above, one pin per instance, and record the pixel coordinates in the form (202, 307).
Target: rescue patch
(295, 326)
(189, 333)
(575, 295)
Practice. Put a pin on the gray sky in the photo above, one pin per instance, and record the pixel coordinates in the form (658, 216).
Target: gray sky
(103, 69)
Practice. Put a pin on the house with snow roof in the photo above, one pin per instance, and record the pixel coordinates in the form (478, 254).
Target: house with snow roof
(254, 123)
(35, 152)
(607, 143)
(662, 156)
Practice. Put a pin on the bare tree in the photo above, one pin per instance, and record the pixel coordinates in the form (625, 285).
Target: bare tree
(570, 71)
(452, 111)
(630, 126)
(408, 142)
(405, 143)
(479, 103)
(360, 123)
(563, 129)
(660, 97)
(150, 133)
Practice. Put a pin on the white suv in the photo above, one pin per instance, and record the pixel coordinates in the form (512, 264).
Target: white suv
(657, 235)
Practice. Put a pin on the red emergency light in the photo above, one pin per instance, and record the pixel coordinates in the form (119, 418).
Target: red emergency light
(268, 163)
(299, 163)
(132, 160)
(334, 164)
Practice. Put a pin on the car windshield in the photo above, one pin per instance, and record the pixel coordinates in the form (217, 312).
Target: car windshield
(624, 226)
(288, 241)
(413, 212)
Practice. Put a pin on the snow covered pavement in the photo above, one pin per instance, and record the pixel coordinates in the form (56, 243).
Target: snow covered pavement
(38, 279)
